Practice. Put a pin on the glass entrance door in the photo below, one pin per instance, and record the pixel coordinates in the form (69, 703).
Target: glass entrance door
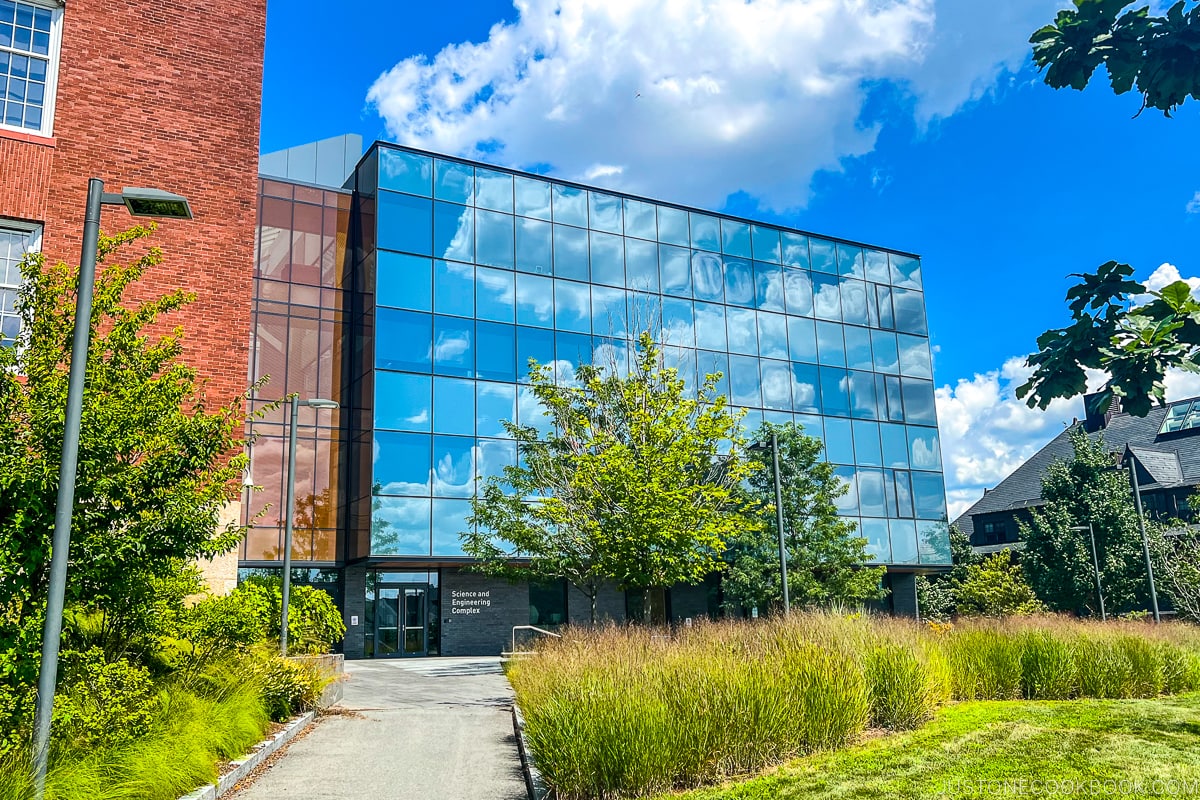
(401, 620)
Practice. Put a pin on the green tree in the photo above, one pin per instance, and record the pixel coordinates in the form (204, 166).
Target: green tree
(1157, 56)
(629, 486)
(997, 587)
(156, 463)
(825, 559)
(1134, 344)
(937, 595)
(1058, 560)
(1178, 570)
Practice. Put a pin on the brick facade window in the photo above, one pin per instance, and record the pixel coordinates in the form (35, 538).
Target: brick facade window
(30, 32)
(15, 241)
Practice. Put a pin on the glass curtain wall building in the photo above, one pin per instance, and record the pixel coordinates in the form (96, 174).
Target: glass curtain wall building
(458, 274)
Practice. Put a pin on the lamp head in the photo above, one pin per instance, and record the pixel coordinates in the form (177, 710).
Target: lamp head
(143, 202)
(318, 402)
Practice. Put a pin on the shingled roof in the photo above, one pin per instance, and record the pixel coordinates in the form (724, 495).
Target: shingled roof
(1164, 460)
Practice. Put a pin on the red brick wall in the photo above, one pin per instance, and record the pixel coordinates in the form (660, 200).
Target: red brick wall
(166, 95)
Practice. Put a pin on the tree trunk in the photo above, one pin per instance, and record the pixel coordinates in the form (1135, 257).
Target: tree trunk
(647, 616)
(593, 599)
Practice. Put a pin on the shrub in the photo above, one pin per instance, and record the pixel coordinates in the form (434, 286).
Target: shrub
(101, 704)
(222, 624)
(314, 622)
(287, 687)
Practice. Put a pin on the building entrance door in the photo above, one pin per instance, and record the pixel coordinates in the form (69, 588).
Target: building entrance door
(401, 620)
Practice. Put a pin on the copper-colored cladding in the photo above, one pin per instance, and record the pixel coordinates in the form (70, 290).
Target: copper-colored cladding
(296, 342)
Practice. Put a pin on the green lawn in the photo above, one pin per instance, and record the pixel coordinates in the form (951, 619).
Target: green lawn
(1079, 748)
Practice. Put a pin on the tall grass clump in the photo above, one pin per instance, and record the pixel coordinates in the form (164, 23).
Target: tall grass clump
(984, 665)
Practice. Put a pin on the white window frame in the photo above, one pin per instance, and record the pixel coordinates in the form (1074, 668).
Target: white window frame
(28, 228)
(56, 23)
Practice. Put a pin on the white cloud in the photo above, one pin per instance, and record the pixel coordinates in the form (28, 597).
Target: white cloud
(1193, 206)
(1165, 275)
(697, 99)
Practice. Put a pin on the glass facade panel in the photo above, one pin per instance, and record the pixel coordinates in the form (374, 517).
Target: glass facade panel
(405, 223)
(494, 190)
(607, 259)
(495, 403)
(739, 282)
(604, 213)
(403, 340)
(570, 206)
(532, 198)
(710, 327)
(765, 245)
(706, 232)
(404, 281)
(405, 172)
(454, 346)
(453, 288)
(641, 265)
(403, 402)
(641, 220)
(453, 232)
(772, 335)
(904, 541)
(494, 239)
(454, 182)
(570, 253)
(535, 301)
(768, 286)
(735, 238)
(675, 266)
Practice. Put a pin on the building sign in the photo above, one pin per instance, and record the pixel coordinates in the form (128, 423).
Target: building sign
(464, 602)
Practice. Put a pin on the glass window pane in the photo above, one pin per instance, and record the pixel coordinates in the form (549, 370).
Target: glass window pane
(677, 324)
(403, 402)
(570, 206)
(826, 298)
(405, 172)
(910, 311)
(765, 244)
(404, 281)
(739, 282)
(640, 220)
(453, 182)
(858, 348)
(904, 541)
(682, 360)
(405, 223)
(802, 340)
(933, 542)
(796, 250)
(914, 356)
(676, 268)
(824, 256)
(673, 226)
(877, 266)
(453, 351)
(403, 340)
(806, 389)
(835, 395)
(776, 384)
(708, 282)
(929, 495)
(494, 294)
(714, 364)
(798, 289)
(494, 190)
(867, 451)
(534, 246)
(454, 288)
(571, 350)
(772, 335)
(535, 300)
(710, 327)
(894, 401)
(494, 239)
(572, 307)
(641, 265)
(735, 238)
(850, 261)
(400, 526)
(924, 450)
(494, 404)
(903, 487)
(454, 232)
(496, 351)
(706, 232)
(493, 455)
(895, 446)
(608, 259)
(453, 466)
(879, 546)
(768, 285)
(854, 302)
(449, 521)
(831, 349)
(453, 406)
(609, 311)
(570, 253)
(883, 295)
(401, 463)
(839, 443)
(847, 504)
(884, 353)
(744, 381)
(533, 198)
(918, 402)
(605, 212)
(536, 344)
(742, 327)
(870, 492)
(906, 272)
(863, 402)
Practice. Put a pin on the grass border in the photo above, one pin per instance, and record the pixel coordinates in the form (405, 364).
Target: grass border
(258, 754)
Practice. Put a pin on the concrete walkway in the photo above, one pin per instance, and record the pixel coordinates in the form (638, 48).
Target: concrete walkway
(424, 729)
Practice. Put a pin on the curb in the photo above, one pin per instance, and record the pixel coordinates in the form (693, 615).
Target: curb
(243, 767)
(534, 785)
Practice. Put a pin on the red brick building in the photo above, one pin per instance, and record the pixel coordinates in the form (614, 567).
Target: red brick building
(139, 93)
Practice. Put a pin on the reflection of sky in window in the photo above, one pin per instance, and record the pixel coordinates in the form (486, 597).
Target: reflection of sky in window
(739, 282)
(708, 280)
(532, 198)
(710, 326)
(742, 327)
(604, 212)
(768, 283)
(535, 245)
(640, 220)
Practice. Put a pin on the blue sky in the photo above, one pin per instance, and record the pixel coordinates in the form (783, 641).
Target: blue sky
(913, 124)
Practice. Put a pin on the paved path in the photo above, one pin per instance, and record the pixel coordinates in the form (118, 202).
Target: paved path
(425, 729)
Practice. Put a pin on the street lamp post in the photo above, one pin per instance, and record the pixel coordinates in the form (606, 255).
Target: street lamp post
(1137, 496)
(760, 447)
(1096, 565)
(289, 514)
(140, 202)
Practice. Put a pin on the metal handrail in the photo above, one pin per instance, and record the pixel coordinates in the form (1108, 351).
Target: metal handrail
(530, 628)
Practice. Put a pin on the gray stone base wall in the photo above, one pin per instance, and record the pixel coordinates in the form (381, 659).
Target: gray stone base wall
(478, 613)
(904, 594)
(689, 602)
(354, 609)
(610, 606)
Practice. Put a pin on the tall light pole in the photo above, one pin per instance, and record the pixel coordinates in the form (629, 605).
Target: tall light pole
(290, 514)
(1096, 565)
(760, 447)
(141, 203)
(1137, 496)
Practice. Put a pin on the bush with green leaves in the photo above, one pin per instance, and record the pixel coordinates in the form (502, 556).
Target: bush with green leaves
(287, 687)
(102, 703)
(314, 622)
